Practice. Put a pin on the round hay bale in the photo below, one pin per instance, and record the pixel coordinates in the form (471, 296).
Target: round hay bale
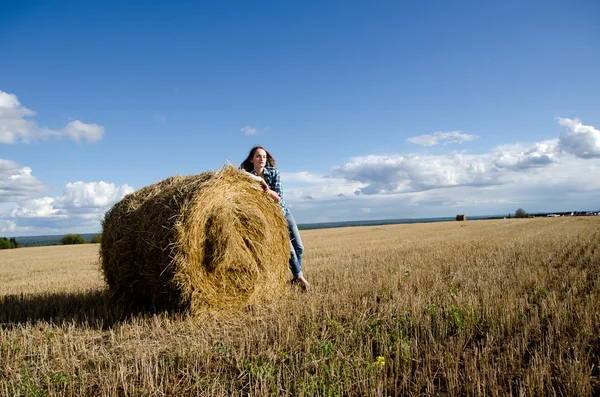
(209, 241)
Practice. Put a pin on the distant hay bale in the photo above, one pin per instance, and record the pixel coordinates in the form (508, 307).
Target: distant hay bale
(461, 217)
(208, 241)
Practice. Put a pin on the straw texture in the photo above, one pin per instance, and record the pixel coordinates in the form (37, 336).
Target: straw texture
(212, 241)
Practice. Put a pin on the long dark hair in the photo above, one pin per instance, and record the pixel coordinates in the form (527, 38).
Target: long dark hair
(247, 164)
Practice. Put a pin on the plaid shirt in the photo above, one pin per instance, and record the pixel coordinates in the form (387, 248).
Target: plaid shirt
(271, 175)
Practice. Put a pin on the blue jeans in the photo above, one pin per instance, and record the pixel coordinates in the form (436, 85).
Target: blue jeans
(296, 247)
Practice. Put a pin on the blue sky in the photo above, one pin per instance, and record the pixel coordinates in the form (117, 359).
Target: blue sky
(373, 110)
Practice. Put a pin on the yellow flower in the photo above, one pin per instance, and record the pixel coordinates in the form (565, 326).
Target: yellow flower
(380, 361)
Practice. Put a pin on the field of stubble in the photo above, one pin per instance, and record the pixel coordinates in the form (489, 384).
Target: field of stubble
(502, 307)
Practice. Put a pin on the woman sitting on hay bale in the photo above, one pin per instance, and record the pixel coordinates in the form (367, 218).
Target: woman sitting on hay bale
(262, 165)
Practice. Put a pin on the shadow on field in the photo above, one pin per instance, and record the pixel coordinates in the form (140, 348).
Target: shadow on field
(95, 309)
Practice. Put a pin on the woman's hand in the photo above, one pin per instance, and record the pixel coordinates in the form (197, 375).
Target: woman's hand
(264, 185)
(273, 194)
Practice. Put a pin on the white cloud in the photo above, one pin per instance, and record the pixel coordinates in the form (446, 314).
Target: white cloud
(77, 130)
(247, 130)
(578, 139)
(568, 185)
(92, 194)
(160, 118)
(306, 186)
(37, 208)
(17, 183)
(8, 226)
(302, 177)
(8, 101)
(13, 124)
(520, 157)
(441, 137)
(551, 175)
(408, 173)
(79, 209)
(15, 127)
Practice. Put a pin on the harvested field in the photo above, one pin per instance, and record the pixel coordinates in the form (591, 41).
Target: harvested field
(502, 307)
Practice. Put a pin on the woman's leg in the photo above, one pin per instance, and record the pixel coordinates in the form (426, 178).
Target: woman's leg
(296, 247)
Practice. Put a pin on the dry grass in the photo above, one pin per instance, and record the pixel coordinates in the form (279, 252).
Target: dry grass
(505, 307)
(55, 269)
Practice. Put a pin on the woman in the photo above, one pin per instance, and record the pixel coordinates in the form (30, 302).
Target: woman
(262, 165)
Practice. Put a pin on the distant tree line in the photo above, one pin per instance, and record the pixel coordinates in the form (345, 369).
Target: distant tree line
(69, 239)
(520, 213)
(7, 243)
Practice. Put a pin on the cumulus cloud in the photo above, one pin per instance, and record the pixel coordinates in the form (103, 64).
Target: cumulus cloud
(92, 195)
(308, 186)
(247, 130)
(13, 124)
(76, 130)
(578, 139)
(16, 127)
(37, 208)
(304, 185)
(413, 172)
(408, 173)
(441, 138)
(80, 207)
(17, 183)
(9, 101)
(550, 175)
(8, 226)
(567, 185)
(521, 157)
(302, 177)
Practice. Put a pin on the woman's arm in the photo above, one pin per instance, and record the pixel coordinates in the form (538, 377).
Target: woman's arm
(273, 194)
(255, 177)
(275, 189)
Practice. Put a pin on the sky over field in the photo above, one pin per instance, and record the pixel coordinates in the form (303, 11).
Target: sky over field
(373, 110)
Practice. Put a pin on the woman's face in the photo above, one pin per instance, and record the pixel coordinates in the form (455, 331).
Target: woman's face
(259, 159)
